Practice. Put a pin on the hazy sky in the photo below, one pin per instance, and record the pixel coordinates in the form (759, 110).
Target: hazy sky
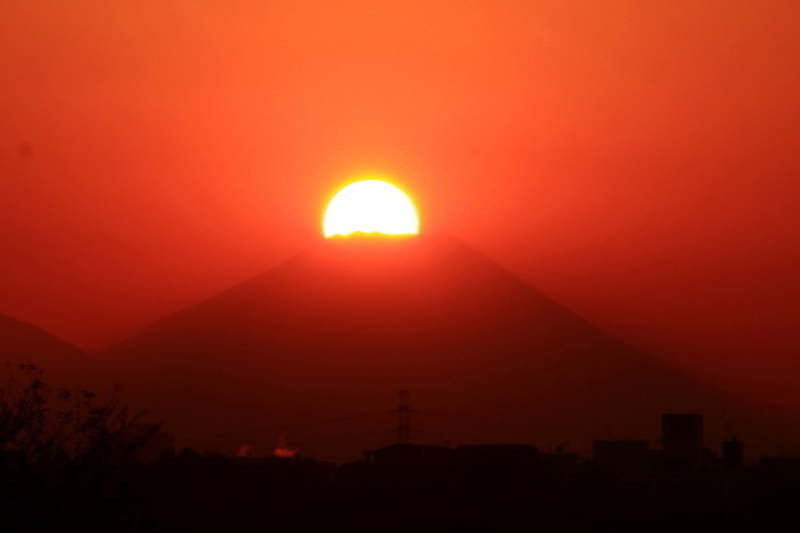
(638, 161)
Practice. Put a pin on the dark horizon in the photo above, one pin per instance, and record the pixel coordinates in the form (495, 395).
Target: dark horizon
(76, 463)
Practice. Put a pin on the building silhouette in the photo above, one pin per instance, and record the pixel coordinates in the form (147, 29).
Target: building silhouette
(733, 454)
(626, 457)
(682, 438)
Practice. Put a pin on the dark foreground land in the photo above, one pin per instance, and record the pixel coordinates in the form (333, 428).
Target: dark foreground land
(190, 492)
(70, 462)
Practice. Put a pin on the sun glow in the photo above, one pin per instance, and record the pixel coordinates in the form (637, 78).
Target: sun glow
(370, 206)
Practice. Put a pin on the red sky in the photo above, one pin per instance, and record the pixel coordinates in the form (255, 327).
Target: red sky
(639, 164)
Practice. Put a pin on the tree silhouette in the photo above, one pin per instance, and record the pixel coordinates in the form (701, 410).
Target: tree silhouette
(40, 425)
(68, 459)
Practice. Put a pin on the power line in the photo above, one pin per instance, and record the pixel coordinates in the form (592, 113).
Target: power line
(291, 427)
(402, 430)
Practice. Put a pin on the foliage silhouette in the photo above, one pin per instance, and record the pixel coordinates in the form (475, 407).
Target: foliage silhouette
(67, 458)
(43, 425)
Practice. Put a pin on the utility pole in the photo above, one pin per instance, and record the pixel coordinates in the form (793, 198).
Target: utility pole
(403, 418)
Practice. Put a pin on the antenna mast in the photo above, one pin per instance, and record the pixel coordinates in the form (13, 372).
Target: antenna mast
(403, 418)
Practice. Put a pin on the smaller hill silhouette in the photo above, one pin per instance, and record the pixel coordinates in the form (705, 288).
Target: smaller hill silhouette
(21, 342)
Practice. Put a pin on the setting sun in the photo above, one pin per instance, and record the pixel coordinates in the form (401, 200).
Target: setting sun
(370, 206)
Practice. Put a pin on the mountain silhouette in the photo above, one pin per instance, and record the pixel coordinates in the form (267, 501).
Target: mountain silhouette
(297, 352)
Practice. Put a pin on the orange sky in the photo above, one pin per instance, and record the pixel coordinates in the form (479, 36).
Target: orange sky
(638, 163)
